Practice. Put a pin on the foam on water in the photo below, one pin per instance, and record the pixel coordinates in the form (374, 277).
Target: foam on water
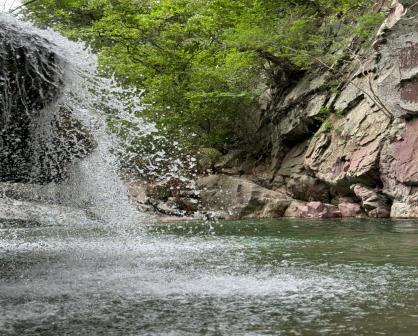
(151, 280)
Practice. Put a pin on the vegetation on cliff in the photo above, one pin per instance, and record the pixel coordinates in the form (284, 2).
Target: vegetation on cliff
(203, 63)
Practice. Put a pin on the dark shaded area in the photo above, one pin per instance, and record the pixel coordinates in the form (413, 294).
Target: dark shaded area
(37, 140)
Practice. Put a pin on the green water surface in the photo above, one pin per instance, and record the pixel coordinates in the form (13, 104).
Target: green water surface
(273, 277)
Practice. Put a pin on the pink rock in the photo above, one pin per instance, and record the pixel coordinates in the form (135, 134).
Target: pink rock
(406, 155)
(312, 210)
(294, 209)
(315, 206)
(348, 209)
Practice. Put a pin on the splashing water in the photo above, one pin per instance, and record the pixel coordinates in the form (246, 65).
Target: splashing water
(54, 131)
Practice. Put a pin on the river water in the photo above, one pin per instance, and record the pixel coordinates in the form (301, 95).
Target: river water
(278, 277)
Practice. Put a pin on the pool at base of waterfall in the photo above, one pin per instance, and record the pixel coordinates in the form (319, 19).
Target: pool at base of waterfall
(270, 277)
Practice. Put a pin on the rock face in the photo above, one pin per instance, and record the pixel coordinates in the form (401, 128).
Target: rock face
(312, 210)
(235, 198)
(38, 138)
(355, 142)
(348, 209)
(375, 204)
(349, 152)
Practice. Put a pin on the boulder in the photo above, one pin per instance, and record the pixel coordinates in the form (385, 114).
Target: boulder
(407, 208)
(348, 209)
(241, 198)
(293, 210)
(314, 210)
(374, 203)
(307, 188)
(169, 209)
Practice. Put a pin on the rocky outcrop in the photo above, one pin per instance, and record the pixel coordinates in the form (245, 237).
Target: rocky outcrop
(349, 209)
(374, 203)
(349, 152)
(313, 210)
(294, 117)
(367, 146)
(234, 198)
(354, 135)
(298, 183)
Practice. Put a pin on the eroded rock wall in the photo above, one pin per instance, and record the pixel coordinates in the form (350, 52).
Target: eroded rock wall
(344, 143)
(367, 148)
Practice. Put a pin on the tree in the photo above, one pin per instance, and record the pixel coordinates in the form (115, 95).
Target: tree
(201, 62)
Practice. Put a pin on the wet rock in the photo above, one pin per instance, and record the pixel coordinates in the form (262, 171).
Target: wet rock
(171, 196)
(241, 198)
(39, 139)
(375, 204)
(407, 208)
(168, 209)
(189, 205)
(138, 191)
(293, 210)
(30, 192)
(350, 209)
(44, 214)
(314, 210)
(159, 190)
(169, 187)
(218, 215)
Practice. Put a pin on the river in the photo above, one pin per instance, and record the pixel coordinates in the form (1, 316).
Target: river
(275, 277)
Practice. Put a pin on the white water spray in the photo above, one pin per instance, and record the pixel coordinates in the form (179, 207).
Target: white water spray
(92, 182)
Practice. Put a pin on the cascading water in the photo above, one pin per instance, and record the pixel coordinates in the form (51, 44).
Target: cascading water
(233, 278)
(53, 130)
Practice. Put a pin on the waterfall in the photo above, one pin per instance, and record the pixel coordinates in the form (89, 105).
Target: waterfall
(53, 110)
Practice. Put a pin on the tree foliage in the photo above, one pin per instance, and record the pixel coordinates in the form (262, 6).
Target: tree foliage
(201, 62)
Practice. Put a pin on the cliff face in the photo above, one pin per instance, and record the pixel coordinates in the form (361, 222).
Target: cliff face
(367, 148)
(343, 142)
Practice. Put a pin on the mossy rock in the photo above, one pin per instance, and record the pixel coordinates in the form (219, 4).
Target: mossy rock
(207, 158)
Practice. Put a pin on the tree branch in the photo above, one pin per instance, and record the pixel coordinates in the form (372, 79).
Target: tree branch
(21, 6)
